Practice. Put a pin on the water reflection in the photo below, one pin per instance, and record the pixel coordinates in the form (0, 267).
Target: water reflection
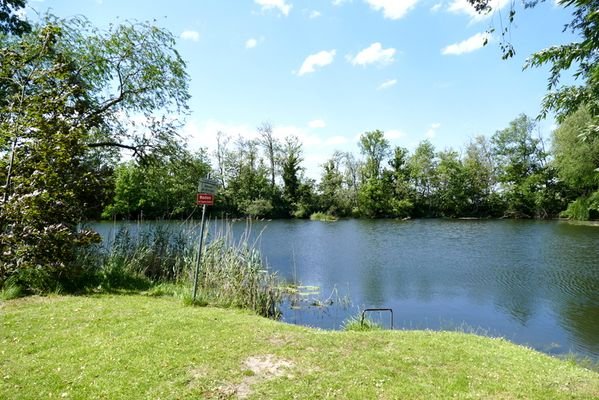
(533, 282)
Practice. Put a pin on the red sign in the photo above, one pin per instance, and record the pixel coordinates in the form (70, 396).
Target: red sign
(205, 199)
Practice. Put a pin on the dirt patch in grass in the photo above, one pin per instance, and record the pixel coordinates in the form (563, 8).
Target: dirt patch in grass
(279, 340)
(196, 374)
(259, 369)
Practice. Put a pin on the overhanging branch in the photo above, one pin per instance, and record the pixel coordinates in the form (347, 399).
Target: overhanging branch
(134, 149)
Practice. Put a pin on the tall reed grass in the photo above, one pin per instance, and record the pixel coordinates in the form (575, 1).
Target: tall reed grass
(232, 271)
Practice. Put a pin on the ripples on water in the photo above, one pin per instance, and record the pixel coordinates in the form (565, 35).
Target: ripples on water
(533, 282)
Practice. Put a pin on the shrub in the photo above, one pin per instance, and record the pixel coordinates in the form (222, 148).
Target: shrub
(319, 216)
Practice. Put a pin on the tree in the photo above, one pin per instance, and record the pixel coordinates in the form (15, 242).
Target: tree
(522, 167)
(577, 164)
(375, 147)
(452, 185)
(331, 188)
(423, 174)
(69, 91)
(271, 148)
(165, 190)
(222, 142)
(352, 178)
(373, 195)
(403, 194)
(479, 170)
(11, 21)
(248, 191)
(291, 158)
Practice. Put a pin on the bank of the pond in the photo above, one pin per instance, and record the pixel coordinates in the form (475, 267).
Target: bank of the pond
(127, 347)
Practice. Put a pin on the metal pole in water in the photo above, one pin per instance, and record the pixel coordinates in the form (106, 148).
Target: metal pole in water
(199, 259)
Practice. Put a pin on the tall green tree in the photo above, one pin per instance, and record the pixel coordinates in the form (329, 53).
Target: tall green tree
(291, 159)
(70, 90)
(423, 175)
(331, 199)
(479, 170)
(452, 190)
(403, 195)
(577, 164)
(374, 194)
(522, 168)
(352, 167)
(271, 148)
(375, 147)
(248, 191)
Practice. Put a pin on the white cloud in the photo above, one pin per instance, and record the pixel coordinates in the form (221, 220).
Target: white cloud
(203, 135)
(394, 134)
(469, 45)
(464, 7)
(251, 43)
(436, 7)
(190, 35)
(374, 54)
(319, 59)
(317, 123)
(387, 84)
(340, 2)
(336, 141)
(432, 131)
(392, 9)
(315, 14)
(280, 5)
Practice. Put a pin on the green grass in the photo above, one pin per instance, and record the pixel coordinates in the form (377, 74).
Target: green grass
(356, 324)
(141, 347)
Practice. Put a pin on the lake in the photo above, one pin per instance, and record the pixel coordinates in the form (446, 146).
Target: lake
(532, 282)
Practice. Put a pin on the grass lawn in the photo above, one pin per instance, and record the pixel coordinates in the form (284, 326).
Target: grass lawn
(137, 347)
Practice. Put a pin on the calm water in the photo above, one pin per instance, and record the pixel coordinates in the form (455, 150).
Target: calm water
(532, 282)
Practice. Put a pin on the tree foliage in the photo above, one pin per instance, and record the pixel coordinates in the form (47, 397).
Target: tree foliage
(70, 93)
(157, 191)
(11, 19)
(577, 164)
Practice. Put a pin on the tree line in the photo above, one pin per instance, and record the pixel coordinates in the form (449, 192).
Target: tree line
(512, 173)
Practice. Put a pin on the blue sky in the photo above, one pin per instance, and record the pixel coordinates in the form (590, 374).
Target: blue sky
(329, 70)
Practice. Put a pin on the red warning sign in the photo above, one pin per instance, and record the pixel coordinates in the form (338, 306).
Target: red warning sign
(205, 199)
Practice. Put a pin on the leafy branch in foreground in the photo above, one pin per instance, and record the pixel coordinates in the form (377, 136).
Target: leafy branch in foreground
(579, 57)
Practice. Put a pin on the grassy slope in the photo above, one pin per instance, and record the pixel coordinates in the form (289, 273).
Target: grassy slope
(137, 347)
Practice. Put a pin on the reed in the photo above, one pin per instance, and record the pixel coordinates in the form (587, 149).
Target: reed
(233, 274)
(158, 259)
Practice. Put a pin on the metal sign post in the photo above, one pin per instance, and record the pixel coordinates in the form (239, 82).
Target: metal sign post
(205, 197)
(199, 258)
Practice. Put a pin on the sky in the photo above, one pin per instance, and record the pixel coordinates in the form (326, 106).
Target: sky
(327, 71)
